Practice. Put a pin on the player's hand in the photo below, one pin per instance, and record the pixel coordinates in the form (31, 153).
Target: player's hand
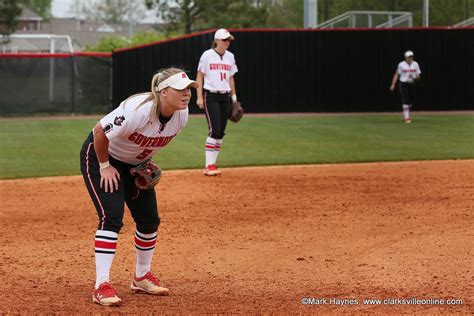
(200, 103)
(392, 87)
(109, 178)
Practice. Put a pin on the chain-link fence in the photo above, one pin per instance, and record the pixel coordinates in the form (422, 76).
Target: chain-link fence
(54, 83)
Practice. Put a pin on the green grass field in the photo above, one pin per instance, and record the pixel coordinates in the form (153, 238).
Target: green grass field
(31, 148)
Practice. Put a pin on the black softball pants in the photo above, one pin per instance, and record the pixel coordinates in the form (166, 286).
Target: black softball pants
(110, 206)
(218, 109)
(407, 91)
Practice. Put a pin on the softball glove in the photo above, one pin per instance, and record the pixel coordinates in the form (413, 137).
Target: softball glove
(147, 175)
(237, 112)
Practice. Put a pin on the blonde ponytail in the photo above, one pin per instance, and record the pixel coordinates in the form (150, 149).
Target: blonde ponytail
(158, 78)
(214, 44)
(154, 93)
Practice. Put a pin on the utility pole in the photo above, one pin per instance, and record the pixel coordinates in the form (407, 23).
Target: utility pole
(310, 14)
(426, 13)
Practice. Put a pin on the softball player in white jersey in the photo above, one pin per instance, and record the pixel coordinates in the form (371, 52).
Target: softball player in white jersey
(129, 135)
(407, 71)
(216, 68)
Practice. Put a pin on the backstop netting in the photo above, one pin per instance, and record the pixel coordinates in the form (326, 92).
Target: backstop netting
(54, 83)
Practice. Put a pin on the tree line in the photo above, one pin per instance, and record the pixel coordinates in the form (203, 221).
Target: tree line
(187, 16)
(195, 15)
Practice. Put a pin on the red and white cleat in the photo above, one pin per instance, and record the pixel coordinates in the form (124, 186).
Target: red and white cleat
(148, 284)
(212, 170)
(408, 121)
(105, 295)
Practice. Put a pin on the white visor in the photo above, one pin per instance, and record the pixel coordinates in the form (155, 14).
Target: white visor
(178, 81)
(222, 34)
(408, 53)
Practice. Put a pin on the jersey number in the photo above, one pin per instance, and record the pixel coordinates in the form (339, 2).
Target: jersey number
(223, 76)
(144, 154)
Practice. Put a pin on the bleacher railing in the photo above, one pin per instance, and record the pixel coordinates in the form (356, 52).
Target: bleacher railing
(376, 19)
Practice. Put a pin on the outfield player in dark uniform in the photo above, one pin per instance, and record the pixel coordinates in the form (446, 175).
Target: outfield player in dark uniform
(407, 71)
(216, 68)
(123, 139)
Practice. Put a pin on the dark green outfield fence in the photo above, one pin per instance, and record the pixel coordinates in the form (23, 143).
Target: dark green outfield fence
(281, 70)
(320, 70)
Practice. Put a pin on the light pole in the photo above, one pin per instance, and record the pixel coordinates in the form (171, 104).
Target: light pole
(426, 13)
(310, 14)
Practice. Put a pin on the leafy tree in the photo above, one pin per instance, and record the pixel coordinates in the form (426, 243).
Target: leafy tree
(9, 11)
(111, 43)
(286, 13)
(40, 7)
(110, 11)
(289, 13)
(192, 15)
(108, 44)
(146, 37)
(449, 12)
(442, 12)
(182, 14)
(237, 14)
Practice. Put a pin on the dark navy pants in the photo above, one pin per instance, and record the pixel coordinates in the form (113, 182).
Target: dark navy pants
(110, 206)
(407, 90)
(218, 109)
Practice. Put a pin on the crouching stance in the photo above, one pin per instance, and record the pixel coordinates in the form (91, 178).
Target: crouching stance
(116, 165)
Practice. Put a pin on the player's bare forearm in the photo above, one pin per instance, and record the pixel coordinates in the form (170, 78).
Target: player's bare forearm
(199, 79)
(109, 177)
(232, 86)
(394, 81)
(101, 143)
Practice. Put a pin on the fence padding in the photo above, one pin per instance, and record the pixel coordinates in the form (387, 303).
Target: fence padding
(319, 70)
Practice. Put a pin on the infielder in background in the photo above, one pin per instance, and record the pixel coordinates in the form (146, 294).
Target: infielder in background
(407, 71)
(217, 68)
(116, 165)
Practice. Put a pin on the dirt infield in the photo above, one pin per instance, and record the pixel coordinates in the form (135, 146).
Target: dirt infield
(254, 239)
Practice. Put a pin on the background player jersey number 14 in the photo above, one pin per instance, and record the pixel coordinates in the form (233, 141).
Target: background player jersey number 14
(223, 76)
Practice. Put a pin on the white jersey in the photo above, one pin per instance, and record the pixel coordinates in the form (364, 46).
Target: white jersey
(407, 72)
(135, 134)
(217, 70)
